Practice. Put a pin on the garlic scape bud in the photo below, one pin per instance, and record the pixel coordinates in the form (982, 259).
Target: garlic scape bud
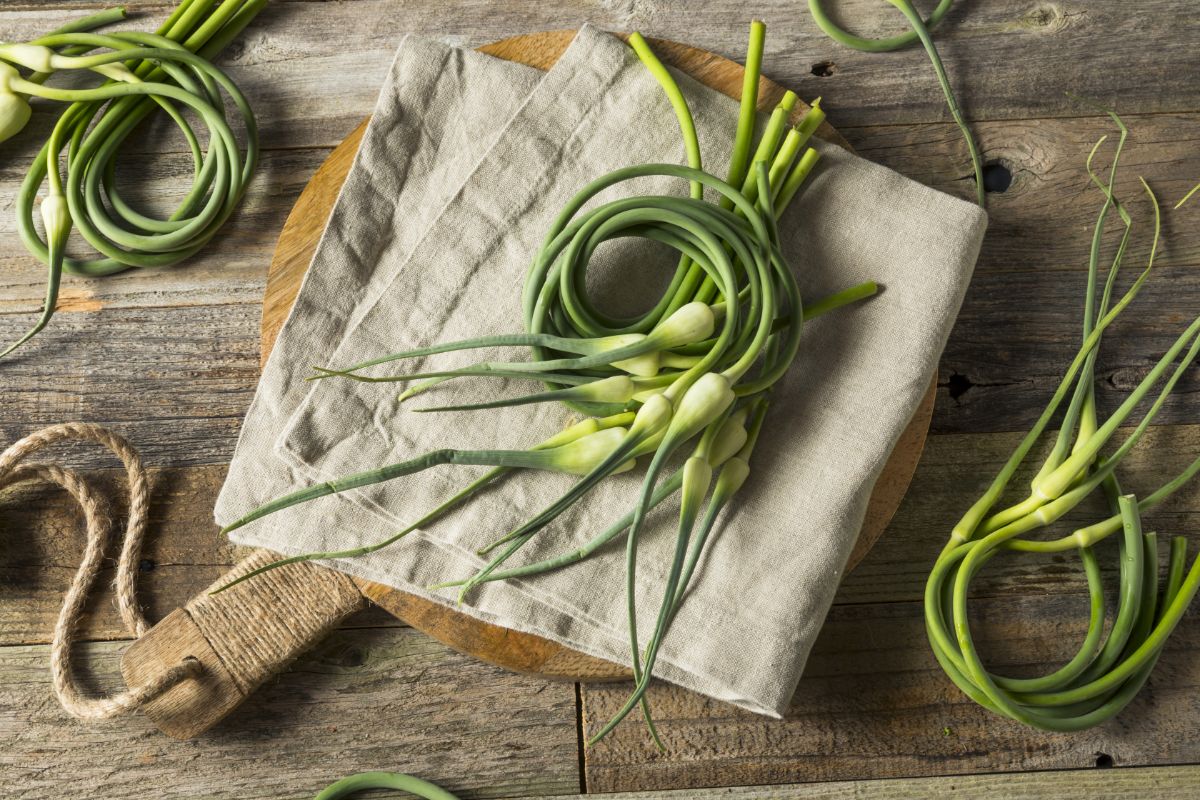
(570, 434)
(653, 417)
(583, 455)
(729, 438)
(33, 57)
(617, 389)
(733, 474)
(41, 59)
(14, 108)
(697, 475)
(651, 423)
(644, 365)
(56, 218)
(736, 469)
(677, 361)
(703, 402)
(692, 322)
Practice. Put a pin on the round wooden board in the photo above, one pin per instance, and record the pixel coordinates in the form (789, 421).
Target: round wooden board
(520, 651)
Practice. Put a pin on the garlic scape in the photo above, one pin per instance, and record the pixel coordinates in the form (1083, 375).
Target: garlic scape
(683, 385)
(134, 74)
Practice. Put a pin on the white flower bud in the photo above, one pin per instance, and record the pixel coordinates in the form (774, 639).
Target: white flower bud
(644, 366)
(56, 217)
(583, 455)
(653, 416)
(703, 402)
(571, 433)
(14, 114)
(732, 476)
(676, 361)
(14, 108)
(729, 439)
(693, 322)
(31, 56)
(617, 389)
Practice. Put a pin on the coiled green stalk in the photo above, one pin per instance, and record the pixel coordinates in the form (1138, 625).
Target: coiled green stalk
(171, 71)
(1107, 671)
(690, 372)
(364, 781)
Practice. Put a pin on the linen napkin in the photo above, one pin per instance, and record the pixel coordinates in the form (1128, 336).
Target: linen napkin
(464, 165)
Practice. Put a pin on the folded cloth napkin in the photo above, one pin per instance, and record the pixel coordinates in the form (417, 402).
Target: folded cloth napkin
(465, 162)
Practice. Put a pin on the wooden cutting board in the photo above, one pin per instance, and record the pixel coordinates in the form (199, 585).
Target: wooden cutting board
(298, 241)
(245, 635)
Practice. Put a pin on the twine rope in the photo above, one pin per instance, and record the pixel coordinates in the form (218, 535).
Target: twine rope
(99, 525)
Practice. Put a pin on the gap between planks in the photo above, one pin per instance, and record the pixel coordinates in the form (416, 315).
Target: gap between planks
(1176, 782)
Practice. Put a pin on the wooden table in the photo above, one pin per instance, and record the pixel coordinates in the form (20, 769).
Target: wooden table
(171, 360)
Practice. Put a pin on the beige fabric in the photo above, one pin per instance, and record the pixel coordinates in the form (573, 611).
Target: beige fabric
(463, 167)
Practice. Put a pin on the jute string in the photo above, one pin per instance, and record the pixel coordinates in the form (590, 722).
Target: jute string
(260, 626)
(98, 525)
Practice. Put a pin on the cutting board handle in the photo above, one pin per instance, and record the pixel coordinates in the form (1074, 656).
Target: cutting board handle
(241, 637)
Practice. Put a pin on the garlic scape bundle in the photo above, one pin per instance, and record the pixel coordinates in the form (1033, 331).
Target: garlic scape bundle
(691, 377)
(168, 71)
(1113, 661)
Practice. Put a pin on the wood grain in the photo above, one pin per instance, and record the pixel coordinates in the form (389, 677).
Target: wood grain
(873, 703)
(365, 699)
(1008, 59)
(185, 552)
(1167, 783)
(192, 706)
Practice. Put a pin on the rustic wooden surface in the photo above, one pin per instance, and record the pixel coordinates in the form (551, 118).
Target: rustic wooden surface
(171, 360)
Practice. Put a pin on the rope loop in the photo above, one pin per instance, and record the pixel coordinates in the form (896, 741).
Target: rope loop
(98, 525)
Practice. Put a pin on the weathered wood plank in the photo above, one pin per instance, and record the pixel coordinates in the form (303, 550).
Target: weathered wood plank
(874, 704)
(1168, 783)
(364, 699)
(1041, 224)
(179, 379)
(45, 540)
(1043, 221)
(1017, 334)
(1008, 58)
(185, 552)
